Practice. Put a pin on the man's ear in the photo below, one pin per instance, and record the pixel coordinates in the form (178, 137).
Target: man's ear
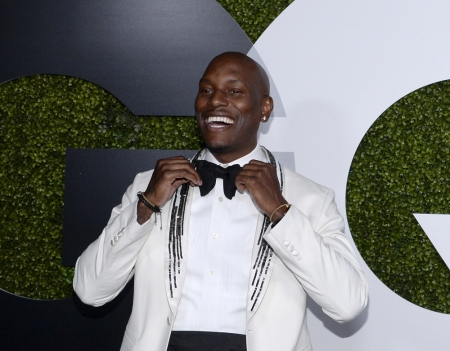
(267, 107)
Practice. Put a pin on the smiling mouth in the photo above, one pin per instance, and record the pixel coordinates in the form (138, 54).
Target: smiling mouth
(219, 121)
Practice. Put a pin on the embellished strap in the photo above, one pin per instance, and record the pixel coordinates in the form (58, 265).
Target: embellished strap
(265, 253)
(176, 230)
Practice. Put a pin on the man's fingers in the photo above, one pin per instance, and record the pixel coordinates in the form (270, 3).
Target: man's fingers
(258, 166)
(240, 186)
(259, 179)
(256, 162)
(251, 175)
(247, 181)
(177, 168)
(185, 175)
(168, 175)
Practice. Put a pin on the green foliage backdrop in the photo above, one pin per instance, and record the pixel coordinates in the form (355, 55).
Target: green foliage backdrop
(40, 117)
(401, 167)
(254, 16)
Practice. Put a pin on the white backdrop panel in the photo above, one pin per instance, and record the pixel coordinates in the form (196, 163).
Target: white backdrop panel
(337, 66)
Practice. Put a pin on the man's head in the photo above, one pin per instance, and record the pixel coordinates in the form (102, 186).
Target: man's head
(233, 98)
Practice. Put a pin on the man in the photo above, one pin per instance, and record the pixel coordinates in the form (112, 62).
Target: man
(220, 269)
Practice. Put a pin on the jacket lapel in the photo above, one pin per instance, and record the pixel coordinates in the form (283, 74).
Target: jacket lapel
(177, 242)
(262, 262)
(261, 269)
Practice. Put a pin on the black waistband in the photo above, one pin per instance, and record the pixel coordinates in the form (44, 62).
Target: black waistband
(206, 341)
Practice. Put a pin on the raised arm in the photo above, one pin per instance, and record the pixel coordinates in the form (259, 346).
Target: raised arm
(307, 234)
(105, 267)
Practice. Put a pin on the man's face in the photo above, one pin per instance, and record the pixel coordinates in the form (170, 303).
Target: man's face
(229, 108)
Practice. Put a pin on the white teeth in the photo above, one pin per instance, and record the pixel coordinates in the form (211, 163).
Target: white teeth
(214, 119)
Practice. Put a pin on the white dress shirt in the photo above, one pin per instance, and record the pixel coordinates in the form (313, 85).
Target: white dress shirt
(220, 241)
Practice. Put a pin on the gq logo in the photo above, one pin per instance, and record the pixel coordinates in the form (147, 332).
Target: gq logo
(399, 178)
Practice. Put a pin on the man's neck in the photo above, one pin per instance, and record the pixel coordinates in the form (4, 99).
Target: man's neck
(230, 157)
(254, 154)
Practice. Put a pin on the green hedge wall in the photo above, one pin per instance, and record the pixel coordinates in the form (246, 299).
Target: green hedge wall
(43, 115)
(254, 16)
(401, 167)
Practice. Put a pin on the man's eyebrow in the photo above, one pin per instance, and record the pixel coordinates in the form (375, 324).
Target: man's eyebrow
(207, 80)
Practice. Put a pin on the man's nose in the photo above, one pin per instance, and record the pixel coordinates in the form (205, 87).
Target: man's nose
(218, 98)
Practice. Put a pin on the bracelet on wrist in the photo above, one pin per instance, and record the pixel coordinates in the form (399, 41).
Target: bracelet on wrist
(147, 203)
(279, 207)
(154, 208)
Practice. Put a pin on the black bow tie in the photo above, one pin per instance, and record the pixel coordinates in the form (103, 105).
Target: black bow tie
(209, 172)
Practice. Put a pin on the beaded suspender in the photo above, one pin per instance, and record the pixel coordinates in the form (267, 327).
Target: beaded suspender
(176, 230)
(263, 259)
(265, 252)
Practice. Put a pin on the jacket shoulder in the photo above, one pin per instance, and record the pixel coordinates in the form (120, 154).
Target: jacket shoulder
(141, 180)
(302, 186)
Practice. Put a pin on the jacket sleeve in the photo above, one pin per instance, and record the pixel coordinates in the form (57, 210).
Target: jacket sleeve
(105, 267)
(322, 258)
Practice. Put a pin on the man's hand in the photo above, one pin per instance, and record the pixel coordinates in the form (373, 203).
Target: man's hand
(168, 175)
(260, 180)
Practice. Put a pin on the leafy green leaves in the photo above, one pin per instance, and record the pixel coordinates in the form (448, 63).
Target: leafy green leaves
(254, 16)
(41, 116)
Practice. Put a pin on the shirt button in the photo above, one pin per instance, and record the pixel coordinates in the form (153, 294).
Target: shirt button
(220, 199)
(215, 235)
(295, 252)
(286, 243)
(290, 248)
(210, 273)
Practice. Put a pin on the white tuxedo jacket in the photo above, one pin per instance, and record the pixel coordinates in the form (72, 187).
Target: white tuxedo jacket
(311, 255)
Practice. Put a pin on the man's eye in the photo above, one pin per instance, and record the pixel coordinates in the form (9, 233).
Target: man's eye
(235, 91)
(205, 91)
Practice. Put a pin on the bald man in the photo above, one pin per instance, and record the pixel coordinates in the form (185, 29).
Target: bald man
(224, 247)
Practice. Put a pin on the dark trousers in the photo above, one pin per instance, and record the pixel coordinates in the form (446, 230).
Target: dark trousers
(206, 341)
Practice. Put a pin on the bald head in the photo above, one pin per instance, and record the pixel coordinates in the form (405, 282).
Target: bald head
(256, 73)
